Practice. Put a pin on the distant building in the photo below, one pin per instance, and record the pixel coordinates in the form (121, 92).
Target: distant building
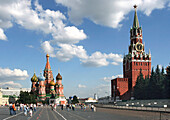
(135, 61)
(13, 91)
(105, 100)
(95, 96)
(45, 88)
(10, 94)
(87, 100)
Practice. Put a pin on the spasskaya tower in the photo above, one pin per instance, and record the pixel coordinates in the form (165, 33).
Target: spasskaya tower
(136, 59)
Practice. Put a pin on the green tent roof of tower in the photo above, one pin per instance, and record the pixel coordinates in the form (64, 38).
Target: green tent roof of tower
(135, 21)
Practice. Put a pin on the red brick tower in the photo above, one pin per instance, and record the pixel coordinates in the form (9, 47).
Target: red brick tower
(48, 75)
(136, 59)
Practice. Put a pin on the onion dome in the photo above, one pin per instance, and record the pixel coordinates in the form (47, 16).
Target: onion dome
(34, 78)
(41, 77)
(52, 83)
(58, 77)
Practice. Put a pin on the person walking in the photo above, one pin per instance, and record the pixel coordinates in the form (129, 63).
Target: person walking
(31, 110)
(73, 107)
(10, 109)
(61, 107)
(35, 108)
(21, 107)
(55, 106)
(25, 110)
(14, 109)
(92, 108)
(84, 107)
(67, 107)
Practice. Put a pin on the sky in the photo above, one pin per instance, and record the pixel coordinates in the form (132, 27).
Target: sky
(86, 40)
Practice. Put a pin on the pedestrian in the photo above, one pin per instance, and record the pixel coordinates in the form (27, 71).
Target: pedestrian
(70, 106)
(20, 107)
(81, 106)
(31, 109)
(61, 107)
(25, 110)
(14, 109)
(73, 107)
(10, 109)
(67, 107)
(55, 106)
(92, 108)
(35, 108)
(52, 106)
(84, 107)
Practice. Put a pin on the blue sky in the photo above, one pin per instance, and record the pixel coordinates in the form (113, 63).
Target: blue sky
(85, 39)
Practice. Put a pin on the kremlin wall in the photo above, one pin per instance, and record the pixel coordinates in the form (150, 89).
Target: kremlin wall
(45, 88)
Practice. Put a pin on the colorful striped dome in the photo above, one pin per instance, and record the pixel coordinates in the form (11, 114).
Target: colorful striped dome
(34, 78)
(52, 83)
(58, 77)
(41, 77)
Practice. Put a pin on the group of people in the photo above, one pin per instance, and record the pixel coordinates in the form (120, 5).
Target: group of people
(73, 107)
(29, 108)
(26, 108)
(92, 107)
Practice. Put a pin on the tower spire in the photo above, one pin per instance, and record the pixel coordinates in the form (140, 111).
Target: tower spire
(135, 21)
(48, 63)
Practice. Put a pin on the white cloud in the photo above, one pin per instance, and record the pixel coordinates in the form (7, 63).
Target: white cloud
(65, 52)
(2, 35)
(69, 35)
(108, 79)
(47, 21)
(115, 63)
(30, 46)
(98, 59)
(169, 4)
(7, 74)
(81, 86)
(48, 48)
(109, 13)
(10, 84)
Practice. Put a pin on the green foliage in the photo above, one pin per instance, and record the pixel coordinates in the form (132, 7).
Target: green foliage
(155, 87)
(75, 100)
(140, 88)
(26, 98)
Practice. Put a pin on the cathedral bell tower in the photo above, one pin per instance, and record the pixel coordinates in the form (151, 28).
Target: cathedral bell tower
(48, 75)
(136, 59)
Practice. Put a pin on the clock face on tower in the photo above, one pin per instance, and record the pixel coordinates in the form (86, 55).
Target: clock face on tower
(139, 47)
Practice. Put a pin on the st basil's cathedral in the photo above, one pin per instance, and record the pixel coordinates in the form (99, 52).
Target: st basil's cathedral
(45, 88)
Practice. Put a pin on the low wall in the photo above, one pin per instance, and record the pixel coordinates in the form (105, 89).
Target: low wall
(152, 109)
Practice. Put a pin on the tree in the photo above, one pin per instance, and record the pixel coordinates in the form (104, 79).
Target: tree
(26, 98)
(167, 81)
(139, 87)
